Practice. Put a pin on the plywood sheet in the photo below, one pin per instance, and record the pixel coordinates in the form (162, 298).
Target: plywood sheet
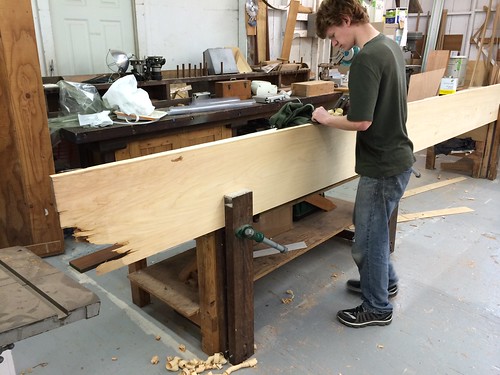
(424, 85)
(437, 59)
(152, 203)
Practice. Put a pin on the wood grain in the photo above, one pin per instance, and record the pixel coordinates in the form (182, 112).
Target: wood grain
(153, 203)
(28, 215)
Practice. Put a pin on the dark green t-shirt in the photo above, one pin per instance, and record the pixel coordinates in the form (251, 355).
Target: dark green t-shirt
(377, 93)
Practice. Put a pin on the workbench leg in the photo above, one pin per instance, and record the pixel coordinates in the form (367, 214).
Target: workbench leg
(393, 221)
(239, 259)
(430, 159)
(139, 296)
(211, 266)
(494, 154)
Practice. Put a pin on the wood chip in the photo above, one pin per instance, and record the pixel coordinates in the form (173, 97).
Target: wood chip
(155, 360)
(289, 299)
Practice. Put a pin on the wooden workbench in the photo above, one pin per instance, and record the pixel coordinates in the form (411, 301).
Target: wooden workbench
(173, 197)
(118, 142)
(36, 297)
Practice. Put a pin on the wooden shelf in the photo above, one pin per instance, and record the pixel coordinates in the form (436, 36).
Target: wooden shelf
(162, 279)
(313, 230)
(159, 90)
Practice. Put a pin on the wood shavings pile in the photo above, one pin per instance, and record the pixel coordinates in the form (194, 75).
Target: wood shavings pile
(197, 366)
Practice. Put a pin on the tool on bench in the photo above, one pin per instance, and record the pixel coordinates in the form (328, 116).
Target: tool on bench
(246, 231)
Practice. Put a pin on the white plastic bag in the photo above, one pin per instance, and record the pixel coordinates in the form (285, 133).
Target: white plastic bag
(125, 96)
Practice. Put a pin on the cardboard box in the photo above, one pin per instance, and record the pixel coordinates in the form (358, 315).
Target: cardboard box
(312, 88)
(234, 89)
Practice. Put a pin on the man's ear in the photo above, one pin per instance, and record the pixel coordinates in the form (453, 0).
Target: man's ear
(347, 21)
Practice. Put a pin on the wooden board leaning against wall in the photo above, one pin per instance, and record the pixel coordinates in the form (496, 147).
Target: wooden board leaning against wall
(27, 209)
(172, 197)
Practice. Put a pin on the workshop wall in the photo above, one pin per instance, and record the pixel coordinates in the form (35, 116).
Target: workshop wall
(177, 30)
(181, 31)
(464, 17)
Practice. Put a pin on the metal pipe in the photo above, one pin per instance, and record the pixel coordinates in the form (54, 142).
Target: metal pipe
(201, 106)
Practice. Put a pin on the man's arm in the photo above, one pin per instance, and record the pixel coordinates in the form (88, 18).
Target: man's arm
(322, 116)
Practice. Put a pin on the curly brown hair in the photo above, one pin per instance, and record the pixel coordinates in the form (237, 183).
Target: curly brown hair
(333, 12)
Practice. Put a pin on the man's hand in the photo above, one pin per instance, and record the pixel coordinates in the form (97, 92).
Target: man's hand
(321, 115)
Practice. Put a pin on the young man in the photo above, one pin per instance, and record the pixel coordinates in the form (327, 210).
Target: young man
(384, 153)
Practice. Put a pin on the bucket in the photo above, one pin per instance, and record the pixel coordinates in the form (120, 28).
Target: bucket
(457, 67)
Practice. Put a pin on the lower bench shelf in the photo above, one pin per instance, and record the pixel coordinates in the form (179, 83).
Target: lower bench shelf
(163, 280)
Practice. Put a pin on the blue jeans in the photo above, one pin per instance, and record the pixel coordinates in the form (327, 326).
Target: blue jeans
(376, 199)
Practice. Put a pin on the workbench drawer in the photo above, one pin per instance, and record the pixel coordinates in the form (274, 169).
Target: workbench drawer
(236, 88)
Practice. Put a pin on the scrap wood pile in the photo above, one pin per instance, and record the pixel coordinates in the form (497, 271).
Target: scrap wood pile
(487, 45)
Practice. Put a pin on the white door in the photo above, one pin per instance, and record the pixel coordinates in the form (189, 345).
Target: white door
(84, 31)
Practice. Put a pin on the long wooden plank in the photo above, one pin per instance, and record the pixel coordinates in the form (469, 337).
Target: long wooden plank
(289, 29)
(437, 119)
(426, 214)
(436, 185)
(153, 203)
(27, 216)
(261, 28)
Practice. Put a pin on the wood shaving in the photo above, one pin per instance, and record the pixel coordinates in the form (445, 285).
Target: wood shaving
(158, 338)
(288, 300)
(182, 347)
(155, 360)
(197, 366)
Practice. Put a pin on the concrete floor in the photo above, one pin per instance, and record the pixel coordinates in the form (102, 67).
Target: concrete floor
(446, 321)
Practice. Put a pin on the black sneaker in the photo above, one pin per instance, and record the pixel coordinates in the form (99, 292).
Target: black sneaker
(359, 317)
(355, 286)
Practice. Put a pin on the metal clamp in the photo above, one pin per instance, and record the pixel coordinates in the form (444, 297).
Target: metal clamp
(246, 231)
